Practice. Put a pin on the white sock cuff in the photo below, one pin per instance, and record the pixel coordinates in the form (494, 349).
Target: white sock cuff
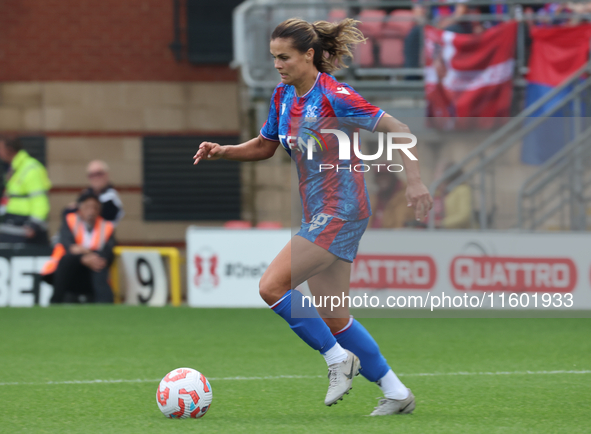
(335, 355)
(274, 305)
(392, 386)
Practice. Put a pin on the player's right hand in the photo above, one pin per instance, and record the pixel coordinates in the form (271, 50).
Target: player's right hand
(208, 151)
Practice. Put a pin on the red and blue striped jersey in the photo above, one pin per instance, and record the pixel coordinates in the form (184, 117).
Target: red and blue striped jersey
(342, 194)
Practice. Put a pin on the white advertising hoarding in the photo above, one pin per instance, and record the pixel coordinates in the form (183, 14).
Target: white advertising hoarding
(224, 267)
(20, 282)
(489, 265)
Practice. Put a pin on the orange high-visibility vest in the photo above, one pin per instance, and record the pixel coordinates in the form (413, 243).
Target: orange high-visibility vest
(94, 240)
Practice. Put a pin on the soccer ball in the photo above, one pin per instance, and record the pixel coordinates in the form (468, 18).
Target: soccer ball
(183, 393)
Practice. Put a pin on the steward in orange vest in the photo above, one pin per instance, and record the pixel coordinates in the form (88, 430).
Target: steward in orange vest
(79, 264)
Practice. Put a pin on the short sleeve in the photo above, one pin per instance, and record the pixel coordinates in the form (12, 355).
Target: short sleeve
(347, 103)
(270, 130)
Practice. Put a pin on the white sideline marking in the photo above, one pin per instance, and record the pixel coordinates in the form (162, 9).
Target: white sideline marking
(439, 374)
(279, 377)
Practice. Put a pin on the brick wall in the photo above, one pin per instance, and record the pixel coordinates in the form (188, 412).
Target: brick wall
(82, 40)
(107, 120)
(94, 77)
(124, 106)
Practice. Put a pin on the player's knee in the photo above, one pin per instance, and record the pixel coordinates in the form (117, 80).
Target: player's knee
(269, 290)
(336, 324)
(264, 290)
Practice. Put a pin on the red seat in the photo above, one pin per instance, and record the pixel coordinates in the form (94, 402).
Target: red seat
(269, 225)
(392, 52)
(237, 224)
(371, 25)
(399, 23)
(336, 15)
(363, 55)
(372, 22)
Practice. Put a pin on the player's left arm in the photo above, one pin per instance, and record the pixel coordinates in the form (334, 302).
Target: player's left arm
(417, 194)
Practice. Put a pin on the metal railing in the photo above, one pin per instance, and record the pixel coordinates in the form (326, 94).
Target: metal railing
(560, 187)
(254, 21)
(479, 165)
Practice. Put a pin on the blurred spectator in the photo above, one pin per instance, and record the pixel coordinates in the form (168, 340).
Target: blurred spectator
(500, 8)
(413, 42)
(79, 264)
(389, 208)
(98, 177)
(547, 15)
(448, 17)
(578, 9)
(24, 205)
(445, 17)
(453, 210)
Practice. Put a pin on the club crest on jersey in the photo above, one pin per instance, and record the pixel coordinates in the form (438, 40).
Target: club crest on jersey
(311, 113)
(318, 221)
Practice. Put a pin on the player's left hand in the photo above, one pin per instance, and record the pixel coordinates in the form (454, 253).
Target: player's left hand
(417, 196)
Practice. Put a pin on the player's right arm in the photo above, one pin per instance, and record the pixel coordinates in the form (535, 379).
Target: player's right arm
(255, 149)
(259, 148)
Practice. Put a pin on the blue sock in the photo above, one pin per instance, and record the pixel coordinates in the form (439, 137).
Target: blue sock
(311, 328)
(357, 339)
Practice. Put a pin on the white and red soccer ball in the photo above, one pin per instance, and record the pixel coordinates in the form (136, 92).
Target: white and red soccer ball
(183, 393)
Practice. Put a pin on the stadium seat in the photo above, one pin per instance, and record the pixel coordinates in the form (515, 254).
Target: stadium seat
(372, 23)
(391, 41)
(392, 52)
(336, 15)
(399, 23)
(237, 224)
(269, 225)
(363, 55)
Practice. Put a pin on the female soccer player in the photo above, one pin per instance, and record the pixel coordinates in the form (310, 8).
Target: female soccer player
(335, 204)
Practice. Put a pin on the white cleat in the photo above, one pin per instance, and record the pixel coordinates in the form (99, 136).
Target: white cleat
(341, 376)
(387, 406)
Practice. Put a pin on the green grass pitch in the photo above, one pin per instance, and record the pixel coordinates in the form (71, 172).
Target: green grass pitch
(84, 343)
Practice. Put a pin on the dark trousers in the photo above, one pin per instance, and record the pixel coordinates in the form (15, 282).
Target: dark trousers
(74, 282)
(413, 45)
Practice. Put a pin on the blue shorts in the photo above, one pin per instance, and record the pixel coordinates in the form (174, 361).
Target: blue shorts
(339, 237)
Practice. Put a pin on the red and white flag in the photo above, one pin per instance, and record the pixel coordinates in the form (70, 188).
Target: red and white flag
(469, 76)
